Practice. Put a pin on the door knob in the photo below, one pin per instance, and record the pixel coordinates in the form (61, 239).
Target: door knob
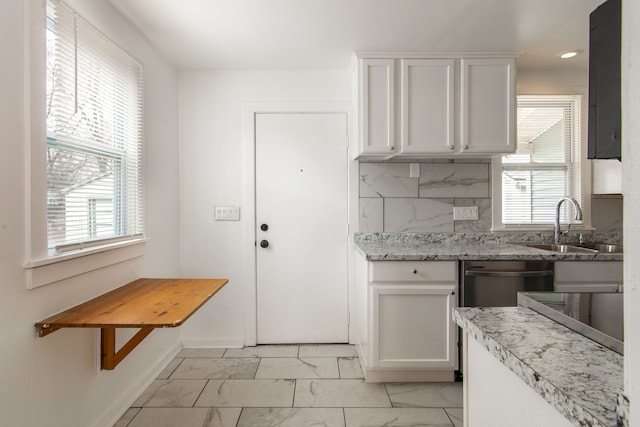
(264, 227)
(264, 243)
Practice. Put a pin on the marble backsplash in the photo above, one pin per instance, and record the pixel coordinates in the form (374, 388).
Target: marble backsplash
(392, 201)
(606, 214)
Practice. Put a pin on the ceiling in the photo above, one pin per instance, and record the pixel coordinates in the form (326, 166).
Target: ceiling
(322, 34)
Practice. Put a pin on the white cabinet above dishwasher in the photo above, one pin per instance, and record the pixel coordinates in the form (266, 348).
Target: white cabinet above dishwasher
(588, 276)
(434, 105)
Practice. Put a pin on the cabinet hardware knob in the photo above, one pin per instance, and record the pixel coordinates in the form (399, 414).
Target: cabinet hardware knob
(264, 227)
(466, 147)
(414, 271)
(451, 147)
(264, 244)
(453, 293)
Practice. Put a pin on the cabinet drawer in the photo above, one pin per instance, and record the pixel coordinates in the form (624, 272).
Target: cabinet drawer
(413, 271)
(597, 272)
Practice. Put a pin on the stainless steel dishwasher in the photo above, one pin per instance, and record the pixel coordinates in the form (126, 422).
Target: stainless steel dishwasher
(497, 283)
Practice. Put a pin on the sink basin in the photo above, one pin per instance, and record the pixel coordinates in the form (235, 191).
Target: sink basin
(602, 247)
(577, 248)
(560, 248)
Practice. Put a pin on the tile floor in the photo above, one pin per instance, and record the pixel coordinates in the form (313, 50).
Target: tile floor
(286, 385)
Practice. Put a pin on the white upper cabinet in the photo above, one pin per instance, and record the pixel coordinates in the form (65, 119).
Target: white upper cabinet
(444, 106)
(487, 105)
(427, 109)
(376, 117)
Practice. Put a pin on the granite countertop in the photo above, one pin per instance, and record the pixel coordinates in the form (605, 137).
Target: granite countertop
(578, 377)
(470, 246)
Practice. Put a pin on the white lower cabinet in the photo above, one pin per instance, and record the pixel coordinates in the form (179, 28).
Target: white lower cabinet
(412, 326)
(407, 329)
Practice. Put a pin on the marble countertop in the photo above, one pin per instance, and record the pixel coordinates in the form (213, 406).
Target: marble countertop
(577, 376)
(448, 247)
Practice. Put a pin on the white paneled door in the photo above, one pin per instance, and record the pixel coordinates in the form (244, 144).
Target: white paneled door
(301, 228)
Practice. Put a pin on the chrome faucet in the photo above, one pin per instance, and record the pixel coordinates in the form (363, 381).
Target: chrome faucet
(556, 224)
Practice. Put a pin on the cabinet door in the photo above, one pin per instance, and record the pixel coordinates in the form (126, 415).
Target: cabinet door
(377, 106)
(413, 327)
(487, 106)
(427, 106)
(605, 82)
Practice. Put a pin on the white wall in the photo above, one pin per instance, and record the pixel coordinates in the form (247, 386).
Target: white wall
(552, 82)
(211, 163)
(53, 381)
(631, 192)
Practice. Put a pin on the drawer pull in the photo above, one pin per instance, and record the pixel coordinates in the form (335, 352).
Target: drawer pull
(414, 271)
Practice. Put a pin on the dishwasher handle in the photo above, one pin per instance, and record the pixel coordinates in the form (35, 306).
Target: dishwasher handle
(507, 273)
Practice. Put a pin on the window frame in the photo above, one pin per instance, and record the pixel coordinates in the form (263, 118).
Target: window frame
(42, 267)
(585, 182)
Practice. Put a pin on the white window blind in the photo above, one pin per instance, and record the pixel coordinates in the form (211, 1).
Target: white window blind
(546, 165)
(94, 135)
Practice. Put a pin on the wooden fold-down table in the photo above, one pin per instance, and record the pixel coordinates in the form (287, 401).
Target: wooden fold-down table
(144, 303)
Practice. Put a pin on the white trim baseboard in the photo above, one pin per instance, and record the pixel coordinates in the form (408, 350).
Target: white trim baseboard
(213, 343)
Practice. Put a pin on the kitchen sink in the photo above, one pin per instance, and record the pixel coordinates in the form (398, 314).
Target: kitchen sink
(560, 248)
(576, 248)
(602, 247)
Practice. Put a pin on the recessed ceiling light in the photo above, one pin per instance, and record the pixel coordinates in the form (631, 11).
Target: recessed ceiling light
(569, 54)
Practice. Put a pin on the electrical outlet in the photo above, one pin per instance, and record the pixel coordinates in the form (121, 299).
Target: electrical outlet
(227, 213)
(468, 213)
(414, 170)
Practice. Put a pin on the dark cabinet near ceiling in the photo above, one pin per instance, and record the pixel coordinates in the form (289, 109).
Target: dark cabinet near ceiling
(604, 81)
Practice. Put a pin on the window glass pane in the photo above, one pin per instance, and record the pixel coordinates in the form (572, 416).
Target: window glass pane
(94, 129)
(516, 197)
(549, 146)
(529, 196)
(541, 135)
(75, 180)
(101, 218)
(548, 186)
(546, 165)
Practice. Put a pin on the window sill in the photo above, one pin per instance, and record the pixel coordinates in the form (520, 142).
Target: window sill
(53, 269)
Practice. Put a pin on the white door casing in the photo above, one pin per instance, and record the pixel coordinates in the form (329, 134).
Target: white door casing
(301, 196)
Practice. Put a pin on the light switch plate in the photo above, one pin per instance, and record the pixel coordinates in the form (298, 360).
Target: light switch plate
(469, 213)
(227, 213)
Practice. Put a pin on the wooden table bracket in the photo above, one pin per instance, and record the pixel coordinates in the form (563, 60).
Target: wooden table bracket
(144, 303)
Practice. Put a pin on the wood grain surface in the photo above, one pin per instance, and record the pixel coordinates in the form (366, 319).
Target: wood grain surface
(151, 303)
